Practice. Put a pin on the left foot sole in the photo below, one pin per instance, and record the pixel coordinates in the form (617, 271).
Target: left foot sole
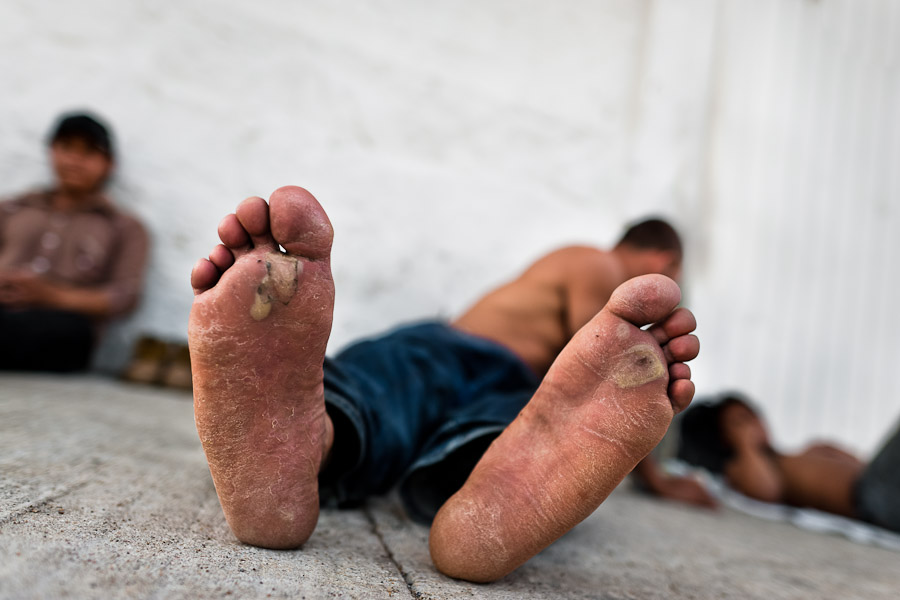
(257, 333)
(605, 403)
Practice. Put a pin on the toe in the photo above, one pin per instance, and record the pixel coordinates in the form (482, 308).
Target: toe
(680, 322)
(679, 371)
(233, 234)
(221, 257)
(299, 223)
(681, 392)
(253, 214)
(682, 349)
(203, 276)
(645, 299)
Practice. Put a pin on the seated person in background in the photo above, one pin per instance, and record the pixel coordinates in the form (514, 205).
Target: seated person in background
(69, 260)
(730, 438)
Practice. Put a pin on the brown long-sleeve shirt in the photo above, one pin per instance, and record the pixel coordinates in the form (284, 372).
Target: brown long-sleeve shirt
(95, 246)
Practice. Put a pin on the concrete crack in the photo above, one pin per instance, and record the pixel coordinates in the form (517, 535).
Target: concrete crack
(8, 514)
(406, 578)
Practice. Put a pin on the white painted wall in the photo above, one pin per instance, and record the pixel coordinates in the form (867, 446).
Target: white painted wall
(450, 145)
(799, 286)
(453, 143)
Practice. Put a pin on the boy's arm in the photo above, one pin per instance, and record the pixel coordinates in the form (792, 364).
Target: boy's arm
(7, 207)
(22, 289)
(681, 489)
(119, 295)
(753, 472)
(127, 273)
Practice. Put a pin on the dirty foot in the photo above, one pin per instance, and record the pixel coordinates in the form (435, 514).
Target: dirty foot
(258, 329)
(605, 403)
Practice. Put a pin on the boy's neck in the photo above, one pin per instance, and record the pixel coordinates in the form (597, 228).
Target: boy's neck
(66, 199)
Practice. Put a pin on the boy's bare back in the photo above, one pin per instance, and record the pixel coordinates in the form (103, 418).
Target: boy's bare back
(536, 314)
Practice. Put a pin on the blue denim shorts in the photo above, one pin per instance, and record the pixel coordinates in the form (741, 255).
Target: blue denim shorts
(416, 408)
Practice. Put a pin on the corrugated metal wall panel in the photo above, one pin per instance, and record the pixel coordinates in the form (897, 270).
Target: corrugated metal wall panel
(796, 305)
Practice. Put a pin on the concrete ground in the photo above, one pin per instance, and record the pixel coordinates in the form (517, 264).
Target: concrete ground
(104, 493)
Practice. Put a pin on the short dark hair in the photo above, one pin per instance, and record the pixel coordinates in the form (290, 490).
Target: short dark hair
(652, 234)
(701, 441)
(85, 127)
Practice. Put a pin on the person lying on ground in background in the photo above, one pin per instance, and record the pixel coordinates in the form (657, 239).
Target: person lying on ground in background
(69, 260)
(512, 424)
(729, 437)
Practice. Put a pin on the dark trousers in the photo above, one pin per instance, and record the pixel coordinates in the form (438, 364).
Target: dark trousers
(878, 489)
(417, 408)
(44, 340)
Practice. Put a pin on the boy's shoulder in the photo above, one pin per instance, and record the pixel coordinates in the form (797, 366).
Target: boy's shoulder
(33, 198)
(36, 196)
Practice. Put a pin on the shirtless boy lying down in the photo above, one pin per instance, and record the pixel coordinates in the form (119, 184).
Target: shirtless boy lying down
(512, 423)
(729, 437)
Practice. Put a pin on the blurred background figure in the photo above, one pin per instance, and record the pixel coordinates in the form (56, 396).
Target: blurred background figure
(729, 437)
(69, 260)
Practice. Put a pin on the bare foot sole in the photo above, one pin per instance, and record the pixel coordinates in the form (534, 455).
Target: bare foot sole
(605, 403)
(258, 330)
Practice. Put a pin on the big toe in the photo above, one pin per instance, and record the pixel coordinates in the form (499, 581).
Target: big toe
(645, 299)
(299, 223)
